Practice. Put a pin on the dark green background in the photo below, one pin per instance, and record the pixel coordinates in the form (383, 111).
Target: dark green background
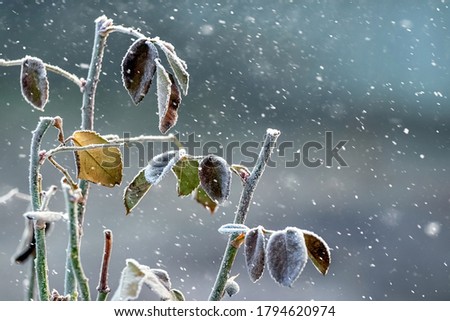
(374, 73)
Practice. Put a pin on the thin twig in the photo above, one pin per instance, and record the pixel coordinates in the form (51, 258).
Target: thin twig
(103, 287)
(55, 69)
(241, 213)
(116, 142)
(64, 171)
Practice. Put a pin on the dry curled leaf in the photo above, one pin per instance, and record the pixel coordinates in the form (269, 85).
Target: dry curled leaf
(134, 275)
(169, 98)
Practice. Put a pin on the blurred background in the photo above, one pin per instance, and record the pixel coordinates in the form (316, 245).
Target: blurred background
(375, 73)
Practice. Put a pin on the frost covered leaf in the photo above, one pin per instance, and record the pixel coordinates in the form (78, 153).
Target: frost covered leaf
(135, 191)
(232, 228)
(215, 178)
(318, 251)
(169, 98)
(286, 255)
(201, 197)
(255, 253)
(101, 165)
(160, 165)
(138, 68)
(152, 174)
(131, 282)
(163, 277)
(134, 275)
(231, 286)
(34, 82)
(178, 65)
(169, 117)
(186, 171)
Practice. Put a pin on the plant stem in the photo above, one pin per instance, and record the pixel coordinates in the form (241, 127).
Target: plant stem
(31, 283)
(35, 189)
(103, 287)
(72, 198)
(90, 88)
(87, 109)
(241, 213)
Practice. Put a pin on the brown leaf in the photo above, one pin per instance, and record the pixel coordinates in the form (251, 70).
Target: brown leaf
(215, 177)
(170, 115)
(98, 165)
(255, 253)
(34, 82)
(318, 251)
(138, 68)
(169, 98)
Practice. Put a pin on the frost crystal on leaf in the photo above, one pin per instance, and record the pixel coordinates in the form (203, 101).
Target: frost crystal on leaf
(255, 253)
(138, 68)
(286, 255)
(215, 177)
(34, 82)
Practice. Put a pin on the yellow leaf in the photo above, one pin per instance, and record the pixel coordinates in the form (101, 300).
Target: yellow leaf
(102, 165)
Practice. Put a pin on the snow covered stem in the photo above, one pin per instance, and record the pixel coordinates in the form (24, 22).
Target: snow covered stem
(90, 88)
(241, 213)
(74, 270)
(35, 192)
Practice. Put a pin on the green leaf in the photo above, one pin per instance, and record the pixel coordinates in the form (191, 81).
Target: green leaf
(34, 82)
(178, 65)
(138, 68)
(186, 171)
(135, 191)
(215, 177)
(201, 197)
(98, 165)
(318, 251)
